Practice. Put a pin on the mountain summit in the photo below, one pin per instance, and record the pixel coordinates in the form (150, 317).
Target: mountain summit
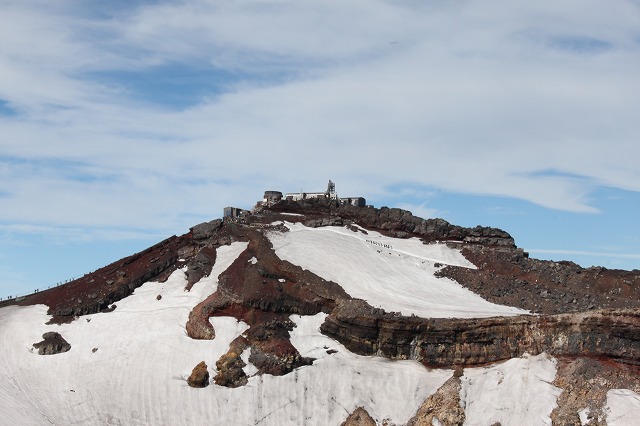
(313, 309)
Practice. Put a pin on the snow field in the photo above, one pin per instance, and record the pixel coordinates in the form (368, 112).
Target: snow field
(386, 389)
(622, 407)
(392, 273)
(516, 392)
(137, 375)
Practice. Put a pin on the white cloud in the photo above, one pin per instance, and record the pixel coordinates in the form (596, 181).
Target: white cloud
(471, 97)
(420, 210)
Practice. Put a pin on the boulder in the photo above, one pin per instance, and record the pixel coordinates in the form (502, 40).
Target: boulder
(52, 344)
(199, 377)
(230, 371)
(206, 229)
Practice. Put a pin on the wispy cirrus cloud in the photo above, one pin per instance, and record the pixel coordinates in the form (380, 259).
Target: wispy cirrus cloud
(125, 122)
(128, 116)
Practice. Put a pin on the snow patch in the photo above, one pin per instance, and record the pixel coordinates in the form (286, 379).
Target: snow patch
(227, 329)
(249, 369)
(138, 374)
(515, 392)
(622, 407)
(392, 273)
(387, 389)
(584, 416)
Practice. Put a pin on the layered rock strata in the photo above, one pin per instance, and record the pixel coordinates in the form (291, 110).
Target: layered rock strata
(391, 221)
(614, 334)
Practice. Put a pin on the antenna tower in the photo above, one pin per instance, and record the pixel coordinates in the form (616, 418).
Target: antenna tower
(331, 190)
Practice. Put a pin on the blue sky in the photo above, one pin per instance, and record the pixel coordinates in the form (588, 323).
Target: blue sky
(125, 122)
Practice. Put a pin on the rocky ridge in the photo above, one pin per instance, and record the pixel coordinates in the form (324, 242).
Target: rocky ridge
(509, 277)
(443, 407)
(446, 342)
(393, 222)
(263, 291)
(585, 382)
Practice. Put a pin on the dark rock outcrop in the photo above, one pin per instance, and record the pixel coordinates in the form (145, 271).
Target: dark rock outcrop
(510, 277)
(206, 229)
(97, 291)
(585, 383)
(230, 371)
(614, 334)
(200, 265)
(359, 417)
(392, 221)
(199, 377)
(441, 408)
(277, 361)
(53, 343)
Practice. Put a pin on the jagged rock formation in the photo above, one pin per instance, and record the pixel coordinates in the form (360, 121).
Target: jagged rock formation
(510, 277)
(230, 371)
(262, 290)
(200, 265)
(614, 334)
(391, 221)
(359, 417)
(585, 383)
(96, 292)
(443, 407)
(206, 230)
(53, 343)
(199, 377)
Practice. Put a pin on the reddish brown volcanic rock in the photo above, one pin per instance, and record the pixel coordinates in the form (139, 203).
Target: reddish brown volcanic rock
(359, 417)
(97, 291)
(585, 383)
(391, 221)
(510, 277)
(614, 334)
(443, 406)
(199, 377)
(262, 290)
(230, 373)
